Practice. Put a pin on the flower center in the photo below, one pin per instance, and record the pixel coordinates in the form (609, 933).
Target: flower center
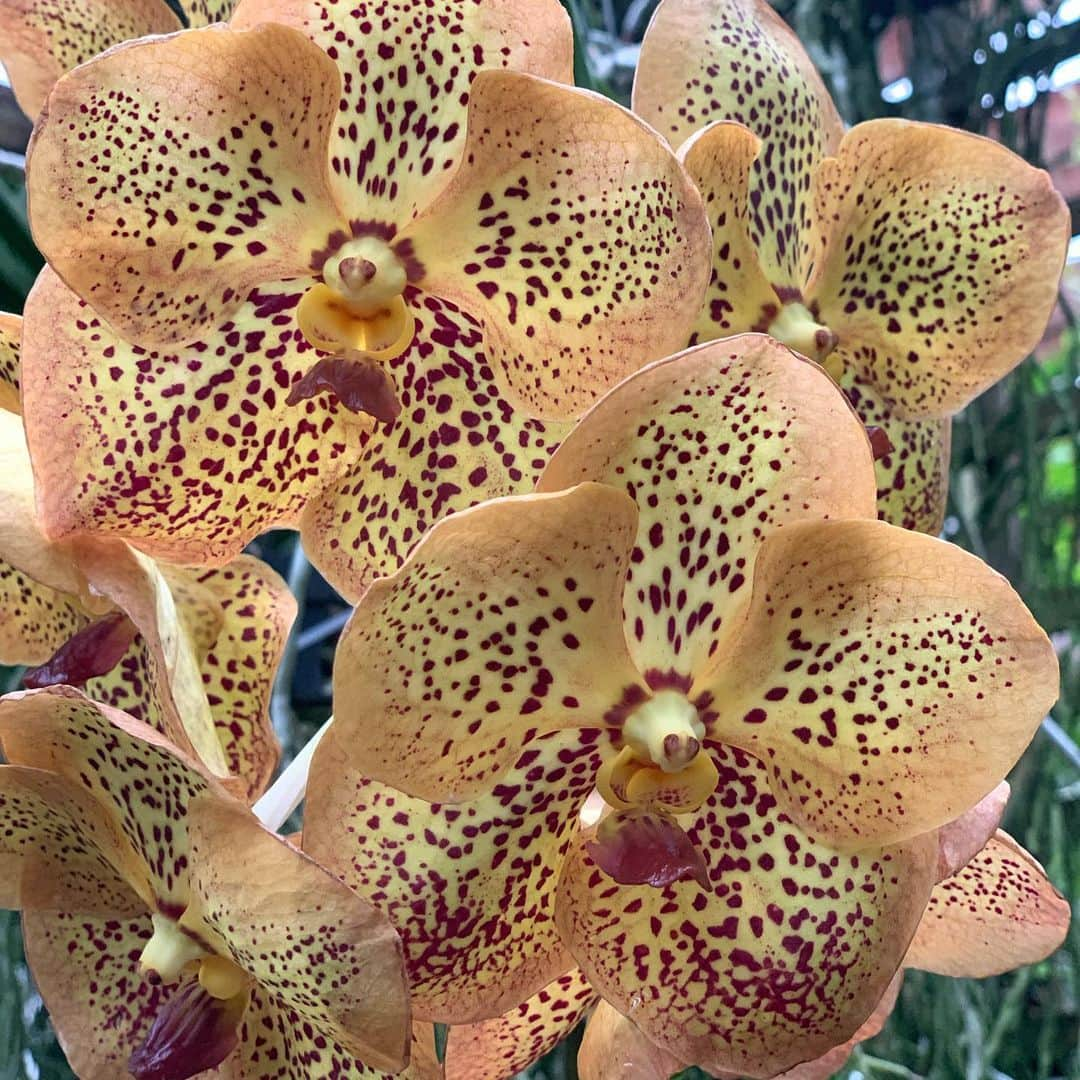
(359, 307)
(169, 951)
(660, 764)
(796, 327)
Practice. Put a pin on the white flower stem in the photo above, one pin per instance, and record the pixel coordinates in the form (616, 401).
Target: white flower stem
(288, 790)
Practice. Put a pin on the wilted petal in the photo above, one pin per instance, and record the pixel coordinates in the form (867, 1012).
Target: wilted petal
(10, 334)
(573, 232)
(998, 913)
(706, 60)
(125, 766)
(912, 477)
(42, 39)
(717, 446)
(941, 256)
(457, 442)
(239, 667)
(509, 1044)
(488, 636)
(100, 1003)
(719, 160)
(782, 960)
(322, 950)
(873, 662)
(58, 850)
(830, 1064)
(614, 1048)
(470, 886)
(170, 177)
(407, 69)
(188, 454)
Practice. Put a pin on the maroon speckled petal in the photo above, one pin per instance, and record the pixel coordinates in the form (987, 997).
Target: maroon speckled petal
(469, 886)
(781, 961)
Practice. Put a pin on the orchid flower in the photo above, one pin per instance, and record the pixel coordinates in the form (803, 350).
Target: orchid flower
(169, 932)
(774, 683)
(193, 653)
(347, 260)
(918, 263)
(995, 912)
(42, 39)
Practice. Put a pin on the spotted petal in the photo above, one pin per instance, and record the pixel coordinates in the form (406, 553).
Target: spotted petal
(913, 477)
(141, 782)
(58, 850)
(470, 887)
(997, 913)
(941, 254)
(707, 60)
(41, 39)
(873, 663)
(99, 1002)
(509, 1044)
(307, 939)
(10, 335)
(719, 160)
(406, 70)
(488, 636)
(457, 442)
(187, 454)
(782, 960)
(236, 126)
(205, 12)
(573, 232)
(718, 447)
(239, 667)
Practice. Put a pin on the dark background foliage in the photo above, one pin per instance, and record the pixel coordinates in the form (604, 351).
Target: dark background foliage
(997, 67)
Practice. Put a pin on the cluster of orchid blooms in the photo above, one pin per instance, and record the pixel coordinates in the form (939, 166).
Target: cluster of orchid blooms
(628, 434)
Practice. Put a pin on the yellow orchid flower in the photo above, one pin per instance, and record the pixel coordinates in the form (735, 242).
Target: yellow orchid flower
(918, 263)
(42, 39)
(991, 912)
(192, 653)
(700, 613)
(342, 260)
(168, 931)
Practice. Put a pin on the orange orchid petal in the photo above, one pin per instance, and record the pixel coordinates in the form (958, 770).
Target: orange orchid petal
(325, 952)
(188, 454)
(470, 886)
(10, 336)
(830, 1063)
(941, 253)
(704, 60)
(205, 12)
(41, 39)
(719, 160)
(125, 766)
(913, 478)
(487, 636)
(99, 1002)
(782, 960)
(573, 232)
(997, 913)
(614, 1048)
(58, 850)
(158, 681)
(961, 840)
(457, 442)
(406, 76)
(507, 1045)
(239, 667)
(216, 184)
(874, 661)
(718, 446)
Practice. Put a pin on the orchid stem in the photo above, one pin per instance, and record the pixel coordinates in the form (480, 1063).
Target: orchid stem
(288, 790)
